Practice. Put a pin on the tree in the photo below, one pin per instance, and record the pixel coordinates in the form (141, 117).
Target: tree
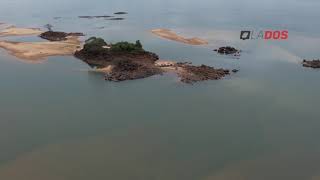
(49, 27)
(138, 44)
(95, 45)
(127, 47)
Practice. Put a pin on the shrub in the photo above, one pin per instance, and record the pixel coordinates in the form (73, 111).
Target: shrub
(95, 45)
(127, 47)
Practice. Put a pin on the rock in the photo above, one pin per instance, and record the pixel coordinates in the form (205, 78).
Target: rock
(130, 70)
(120, 13)
(235, 70)
(91, 17)
(191, 74)
(228, 51)
(312, 63)
(58, 36)
(115, 19)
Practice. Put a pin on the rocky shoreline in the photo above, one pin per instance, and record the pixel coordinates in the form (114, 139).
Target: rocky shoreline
(191, 74)
(131, 70)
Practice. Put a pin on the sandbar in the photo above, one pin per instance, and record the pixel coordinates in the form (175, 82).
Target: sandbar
(171, 35)
(14, 31)
(40, 50)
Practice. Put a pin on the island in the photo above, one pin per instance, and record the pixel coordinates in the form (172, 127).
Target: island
(128, 61)
(59, 36)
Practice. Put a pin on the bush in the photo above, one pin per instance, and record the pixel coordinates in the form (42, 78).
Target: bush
(127, 47)
(95, 45)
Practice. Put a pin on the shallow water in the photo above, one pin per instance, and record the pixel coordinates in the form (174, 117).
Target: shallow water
(59, 121)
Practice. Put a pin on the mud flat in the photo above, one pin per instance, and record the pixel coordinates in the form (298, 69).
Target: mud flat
(311, 64)
(171, 35)
(14, 31)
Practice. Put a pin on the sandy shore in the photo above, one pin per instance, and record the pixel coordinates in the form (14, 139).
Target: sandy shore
(168, 34)
(41, 50)
(14, 31)
(35, 51)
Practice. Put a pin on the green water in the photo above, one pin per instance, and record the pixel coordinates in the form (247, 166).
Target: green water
(58, 121)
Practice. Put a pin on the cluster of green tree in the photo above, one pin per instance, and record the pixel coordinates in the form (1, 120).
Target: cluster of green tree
(96, 45)
(127, 47)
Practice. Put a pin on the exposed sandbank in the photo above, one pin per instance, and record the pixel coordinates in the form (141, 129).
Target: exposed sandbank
(34, 51)
(40, 50)
(14, 31)
(171, 35)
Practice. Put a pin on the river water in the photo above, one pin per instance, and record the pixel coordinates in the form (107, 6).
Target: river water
(58, 121)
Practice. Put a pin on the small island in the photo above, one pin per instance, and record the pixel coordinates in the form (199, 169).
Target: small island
(311, 63)
(228, 50)
(128, 61)
(58, 36)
